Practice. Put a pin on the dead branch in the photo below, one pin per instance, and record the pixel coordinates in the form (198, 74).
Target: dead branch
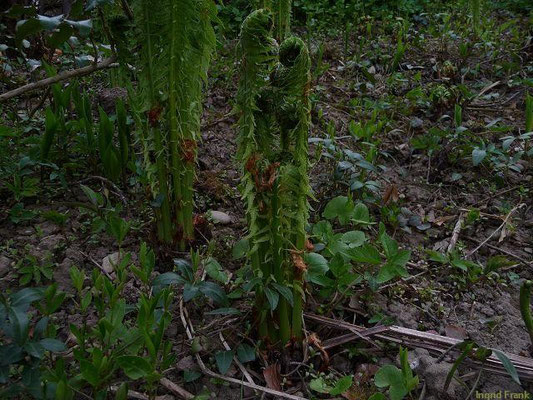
(435, 344)
(106, 63)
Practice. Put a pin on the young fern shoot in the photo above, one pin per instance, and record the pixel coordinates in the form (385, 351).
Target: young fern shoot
(178, 41)
(273, 100)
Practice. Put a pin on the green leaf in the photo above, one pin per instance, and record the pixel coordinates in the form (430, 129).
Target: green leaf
(245, 353)
(338, 266)
(285, 292)
(340, 207)
(214, 292)
(49, 23)
(508, 365)
(83, 27)
(190, 375)
(437, 257)
(354, 238)
(366, 254)
(320, 385)
(34, 349)
(497, 262)
(135, 367)
(361, 215)
(240, 249)
(342, 385)
(10, 354)
(478, 155)
(224, 360)
(23, 298)
(19, 325)
(59, 37)
(89, 372)
(168, 278)
(122, 392)
(215, 271)
(53, 345)
(272, 297)
(391, 377)
(377, 396)
(390, 246)
(316, 263)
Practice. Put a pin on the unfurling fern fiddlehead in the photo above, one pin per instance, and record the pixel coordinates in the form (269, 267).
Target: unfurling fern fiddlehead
(178, 40)
(273, 128)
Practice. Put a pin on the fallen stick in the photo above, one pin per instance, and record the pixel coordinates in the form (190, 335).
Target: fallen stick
(490, 246)
(175, 389)
(493, 233)
(435, 344)
(106, 63)
(456, 232)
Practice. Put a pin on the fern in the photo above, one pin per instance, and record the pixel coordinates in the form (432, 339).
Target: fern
(476, 15)
(272, 147)
(178, 41)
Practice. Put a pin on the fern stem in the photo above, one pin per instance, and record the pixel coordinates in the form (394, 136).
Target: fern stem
(279, 275)
(525, 307)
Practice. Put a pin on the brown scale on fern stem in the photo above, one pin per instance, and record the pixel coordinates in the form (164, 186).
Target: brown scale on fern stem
(300, 267)
(188, 150)
(153, 116)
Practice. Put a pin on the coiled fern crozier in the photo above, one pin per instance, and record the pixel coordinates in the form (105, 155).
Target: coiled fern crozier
(177, 44)
(273, 101)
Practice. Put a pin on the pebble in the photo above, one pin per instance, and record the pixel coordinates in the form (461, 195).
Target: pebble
(219, 217)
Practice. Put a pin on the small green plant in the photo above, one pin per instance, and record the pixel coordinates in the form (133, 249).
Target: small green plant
(473, 271)
(329, 385)
(400, 382)
(31, 269)
(22, 369)
(114, 159)
(193, 286)
(525, 307)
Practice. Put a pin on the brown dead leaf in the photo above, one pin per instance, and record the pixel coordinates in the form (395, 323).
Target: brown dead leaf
(364, 373)
(391, 195)
(308, 245)
(313, 340)
(442, 220)
(272, 377)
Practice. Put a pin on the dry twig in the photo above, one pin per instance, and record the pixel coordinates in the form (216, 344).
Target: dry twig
(106, 63)
(469, 254)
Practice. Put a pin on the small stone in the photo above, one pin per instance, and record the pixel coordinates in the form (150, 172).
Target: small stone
(416, 123)
(108, 262)
(219, 217)
(48, 228)
(50, 243)
(62, 275)
(5, 265)
(185, 363)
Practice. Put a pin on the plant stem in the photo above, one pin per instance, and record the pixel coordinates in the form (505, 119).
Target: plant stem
(525, 307)
(277, 249)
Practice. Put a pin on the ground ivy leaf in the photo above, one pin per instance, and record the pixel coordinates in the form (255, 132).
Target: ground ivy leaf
(224, 359)
(245, 353)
